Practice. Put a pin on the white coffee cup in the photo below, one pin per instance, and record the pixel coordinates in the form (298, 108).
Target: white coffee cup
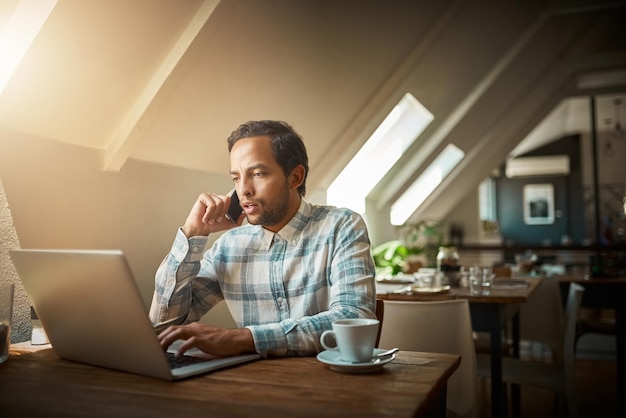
(355, 338)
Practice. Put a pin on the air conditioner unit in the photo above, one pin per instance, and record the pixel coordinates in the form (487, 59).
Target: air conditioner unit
(552, 165)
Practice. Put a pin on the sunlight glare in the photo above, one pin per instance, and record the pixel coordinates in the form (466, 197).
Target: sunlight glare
(18, 33)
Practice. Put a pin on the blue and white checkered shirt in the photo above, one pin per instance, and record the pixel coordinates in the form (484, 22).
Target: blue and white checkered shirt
(286, 287)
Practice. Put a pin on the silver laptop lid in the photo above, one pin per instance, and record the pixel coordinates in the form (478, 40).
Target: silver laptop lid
(92, 311)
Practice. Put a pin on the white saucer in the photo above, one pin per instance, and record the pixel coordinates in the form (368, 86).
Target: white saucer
(333, 359)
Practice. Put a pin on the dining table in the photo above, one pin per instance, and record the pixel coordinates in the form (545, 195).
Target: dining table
(607, 293)
(35, 382)
(490, 312)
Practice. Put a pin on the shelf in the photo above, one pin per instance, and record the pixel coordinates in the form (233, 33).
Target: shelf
(522, 248)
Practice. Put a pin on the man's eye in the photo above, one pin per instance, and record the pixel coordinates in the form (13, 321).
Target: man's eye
(258, 174)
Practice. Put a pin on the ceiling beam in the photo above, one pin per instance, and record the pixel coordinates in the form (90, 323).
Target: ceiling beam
(367, 119)
(133, 127)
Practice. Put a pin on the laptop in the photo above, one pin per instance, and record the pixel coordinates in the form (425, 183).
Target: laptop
(92, 312)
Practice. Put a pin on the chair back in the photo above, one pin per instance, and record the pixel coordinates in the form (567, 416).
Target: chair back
(557, 375)
(542, 318)
(502, 271)
(441, 327)
(380, 315)
(572, 309)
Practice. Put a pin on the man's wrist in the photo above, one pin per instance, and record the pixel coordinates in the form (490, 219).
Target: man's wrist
(245, 340)
(190, 232)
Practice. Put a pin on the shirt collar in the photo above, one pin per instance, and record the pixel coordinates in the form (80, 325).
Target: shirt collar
(292, 231)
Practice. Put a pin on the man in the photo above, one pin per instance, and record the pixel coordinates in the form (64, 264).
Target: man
(285, 276)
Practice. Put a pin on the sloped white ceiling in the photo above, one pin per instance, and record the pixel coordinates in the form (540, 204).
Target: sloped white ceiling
(167, 81)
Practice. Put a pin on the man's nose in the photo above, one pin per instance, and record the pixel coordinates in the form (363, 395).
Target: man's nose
(245, 187)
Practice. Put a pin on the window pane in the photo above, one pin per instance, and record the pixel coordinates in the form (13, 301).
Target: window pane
(425, 184)
(383, 149)
(487, 200)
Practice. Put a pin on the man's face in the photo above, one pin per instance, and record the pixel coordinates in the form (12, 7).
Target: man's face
(261, 184)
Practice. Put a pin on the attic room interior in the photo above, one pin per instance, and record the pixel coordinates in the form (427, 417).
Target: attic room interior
(114, 116)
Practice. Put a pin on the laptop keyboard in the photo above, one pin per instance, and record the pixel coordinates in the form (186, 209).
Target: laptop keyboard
(181, 361)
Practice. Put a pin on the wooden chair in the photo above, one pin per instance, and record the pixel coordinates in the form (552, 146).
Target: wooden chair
(558, 375)
(502, 271)
(380, 315)
(442, 327)
(541, 322)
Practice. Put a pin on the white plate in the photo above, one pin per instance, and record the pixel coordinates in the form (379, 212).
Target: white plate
(433, 289)
(396, 280)
(333, 359)
(417, 289)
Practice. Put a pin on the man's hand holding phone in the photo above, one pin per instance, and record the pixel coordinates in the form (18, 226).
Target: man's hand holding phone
(209, 214)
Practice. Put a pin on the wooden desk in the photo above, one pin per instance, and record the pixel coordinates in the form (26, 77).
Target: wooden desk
(40, 384)
(608, 293)
(489, 314)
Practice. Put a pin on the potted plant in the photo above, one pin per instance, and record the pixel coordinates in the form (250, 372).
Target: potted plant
(389, 258)
(424, 239)
(419, 241)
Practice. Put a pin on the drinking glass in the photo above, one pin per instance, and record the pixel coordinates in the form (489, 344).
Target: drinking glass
(480, 280)
(475, 280)
(487, 280)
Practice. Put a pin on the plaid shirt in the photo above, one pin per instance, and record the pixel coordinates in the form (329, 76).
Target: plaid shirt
(286, 287)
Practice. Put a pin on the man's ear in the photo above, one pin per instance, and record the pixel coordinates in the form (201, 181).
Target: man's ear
(297, 176)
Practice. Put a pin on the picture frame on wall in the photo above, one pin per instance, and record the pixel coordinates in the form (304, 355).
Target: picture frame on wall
(539, 204)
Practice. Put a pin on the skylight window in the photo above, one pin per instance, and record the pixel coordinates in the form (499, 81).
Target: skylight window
(487, 200)
(425, 184)
(18, 33)
(383, 149)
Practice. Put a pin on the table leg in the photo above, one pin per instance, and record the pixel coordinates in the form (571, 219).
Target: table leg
(438, 408)
(620, 325)
(515, 389)
(488, 317)
(497, 388)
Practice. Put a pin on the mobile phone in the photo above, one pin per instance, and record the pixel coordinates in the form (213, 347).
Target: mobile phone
(235, 209)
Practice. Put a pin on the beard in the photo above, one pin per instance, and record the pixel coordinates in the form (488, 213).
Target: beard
(273, 213)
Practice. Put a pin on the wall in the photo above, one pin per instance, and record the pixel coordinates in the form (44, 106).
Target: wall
(467, 213)
(611, 171)
(21, 317)
(60, 198)
(568, 200)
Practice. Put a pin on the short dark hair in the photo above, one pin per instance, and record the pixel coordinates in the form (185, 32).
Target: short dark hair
(287, 145)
